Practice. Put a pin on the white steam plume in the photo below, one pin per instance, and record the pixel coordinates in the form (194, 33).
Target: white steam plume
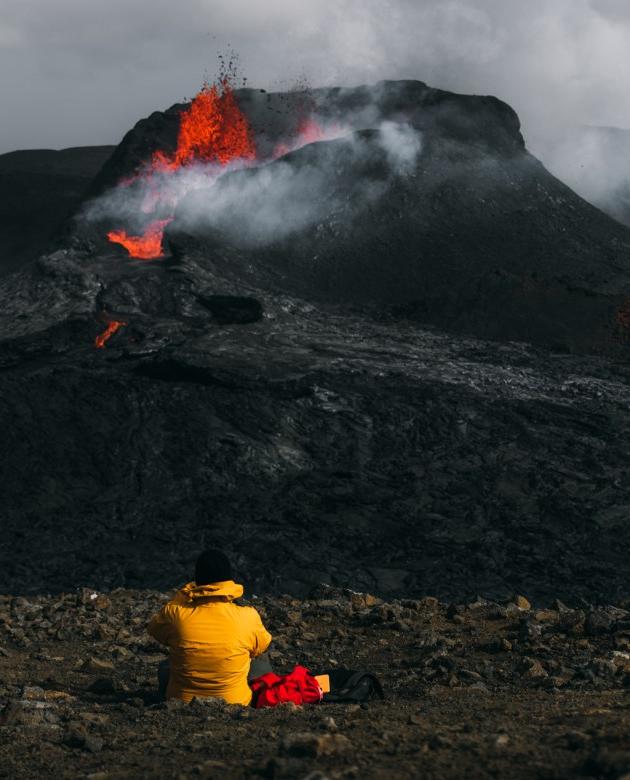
(267, 203)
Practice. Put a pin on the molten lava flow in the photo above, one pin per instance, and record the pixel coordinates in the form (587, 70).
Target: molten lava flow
(145, 247)
(212, 130)
(105, 336)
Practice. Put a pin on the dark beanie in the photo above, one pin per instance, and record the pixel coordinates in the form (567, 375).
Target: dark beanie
(212, 566)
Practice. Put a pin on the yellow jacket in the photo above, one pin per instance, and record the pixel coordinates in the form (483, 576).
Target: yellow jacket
(211, 642)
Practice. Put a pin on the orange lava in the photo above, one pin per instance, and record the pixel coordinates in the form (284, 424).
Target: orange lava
(105, 336)
(309, 132)
(212, 129)
(145, 247)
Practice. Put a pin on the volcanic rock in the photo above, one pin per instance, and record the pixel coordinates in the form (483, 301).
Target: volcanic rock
(314, 745)
(232, 309)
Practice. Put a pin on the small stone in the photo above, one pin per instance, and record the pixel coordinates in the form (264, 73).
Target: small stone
(522, 603)
(453, 611)
(103, 686)
(93, 744)
(57, 696)
(93, 718)
(75, 735)
(33, 692)
(174, 704)
(469, 676)
(533, 669)
(96, 665)
(502, 741)
(597, 623)
(10, 714)
(309, 745)
(546, 616)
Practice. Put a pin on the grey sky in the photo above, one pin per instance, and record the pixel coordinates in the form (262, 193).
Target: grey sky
(76, 72)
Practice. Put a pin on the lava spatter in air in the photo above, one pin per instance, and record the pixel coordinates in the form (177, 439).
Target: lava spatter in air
(212, 130)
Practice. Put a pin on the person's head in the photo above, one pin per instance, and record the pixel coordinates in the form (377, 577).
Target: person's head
(212, 566)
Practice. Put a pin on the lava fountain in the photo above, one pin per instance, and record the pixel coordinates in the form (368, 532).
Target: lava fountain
(212, 130)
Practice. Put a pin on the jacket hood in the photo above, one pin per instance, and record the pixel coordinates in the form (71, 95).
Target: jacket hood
(228, 590)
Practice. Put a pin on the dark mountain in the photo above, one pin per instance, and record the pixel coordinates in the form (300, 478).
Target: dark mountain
(276, 116)
(279, 387)
(39, 190)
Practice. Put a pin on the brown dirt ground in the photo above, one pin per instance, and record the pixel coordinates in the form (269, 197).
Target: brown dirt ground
(477, 691)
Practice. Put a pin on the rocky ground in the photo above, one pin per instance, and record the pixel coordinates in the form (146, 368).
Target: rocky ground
(314, 445)
(480, 690)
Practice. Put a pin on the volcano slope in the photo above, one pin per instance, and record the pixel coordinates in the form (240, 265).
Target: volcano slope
(40, 189)
(300, 412)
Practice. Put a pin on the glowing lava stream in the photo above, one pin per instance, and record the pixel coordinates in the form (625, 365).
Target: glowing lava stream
(145, 247)
(105, 336)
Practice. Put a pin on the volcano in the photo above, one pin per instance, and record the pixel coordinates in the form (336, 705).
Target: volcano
(394, 359)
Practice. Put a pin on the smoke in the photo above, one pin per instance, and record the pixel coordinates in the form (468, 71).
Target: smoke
(595, 162)
(402, 145)
(255, 206)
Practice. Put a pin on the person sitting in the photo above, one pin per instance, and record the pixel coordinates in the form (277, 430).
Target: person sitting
(215, 645)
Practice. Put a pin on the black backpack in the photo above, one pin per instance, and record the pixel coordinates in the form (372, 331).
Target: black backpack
(351, 687)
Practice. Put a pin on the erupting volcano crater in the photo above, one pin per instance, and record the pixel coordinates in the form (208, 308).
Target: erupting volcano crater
(300, 376)
(214, 135)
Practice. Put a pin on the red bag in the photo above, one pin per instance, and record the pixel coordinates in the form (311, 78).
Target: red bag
(299, 686)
